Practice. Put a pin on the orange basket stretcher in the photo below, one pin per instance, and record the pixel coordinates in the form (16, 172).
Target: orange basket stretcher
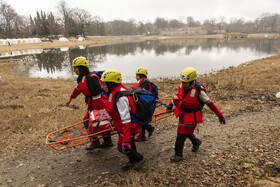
(99, 126)
(160, 111)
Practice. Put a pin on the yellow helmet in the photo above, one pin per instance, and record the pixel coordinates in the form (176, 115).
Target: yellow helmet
(112, 75)
(188, 74)
(80, 61)
(142, 71)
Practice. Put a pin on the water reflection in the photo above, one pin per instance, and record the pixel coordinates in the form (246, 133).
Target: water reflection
(165, 58)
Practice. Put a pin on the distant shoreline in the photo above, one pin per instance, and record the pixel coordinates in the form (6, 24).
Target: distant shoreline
(106, 40)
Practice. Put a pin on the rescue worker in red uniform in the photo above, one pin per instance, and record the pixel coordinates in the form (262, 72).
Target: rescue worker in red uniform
(143, 82)
(91, 88)
(188, 106)
(120, 111)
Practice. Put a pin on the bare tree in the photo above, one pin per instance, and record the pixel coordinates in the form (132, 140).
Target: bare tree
(54, 27)
(221, 23)
(8, 18)
(141, 28)
(210, 25)
(20, 27)
(268, 22)
(65, 12)
(150, 27)
(83, 19)
(236, 25)
(190, 21)
(98, 26)
(175, 24)
(132, 27)
(161, 23)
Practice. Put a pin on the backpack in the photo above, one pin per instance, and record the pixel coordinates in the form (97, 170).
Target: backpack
(98, 73)
(144, 104)
(198, 89)
(91, 88)
(154, 88)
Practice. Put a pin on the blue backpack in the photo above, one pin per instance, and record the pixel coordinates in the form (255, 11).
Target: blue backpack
(145, 106)
(154, 88)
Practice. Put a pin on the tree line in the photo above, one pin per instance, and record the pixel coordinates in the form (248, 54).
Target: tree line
(73, 22)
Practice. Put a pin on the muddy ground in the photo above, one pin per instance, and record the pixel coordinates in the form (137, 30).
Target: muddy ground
(244, 152)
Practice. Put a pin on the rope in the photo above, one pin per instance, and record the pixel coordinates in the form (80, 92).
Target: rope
(161, 103)
(78, 133)
(52, 140)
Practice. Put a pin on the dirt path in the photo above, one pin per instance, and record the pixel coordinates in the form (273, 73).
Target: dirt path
(245, 151)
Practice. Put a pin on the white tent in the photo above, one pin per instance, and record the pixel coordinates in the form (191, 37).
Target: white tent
(82, 47)
(63, 39)
(29, 40)
(64, 48)
(36, 40)
(16, 53)
(80, 39)
(19, 41)
(23, 52)
(24, 40)
(3, 42)
(9, 40)
(278, 95)
(30, 51)
(15, 41)
(6, 54)
(38, 51)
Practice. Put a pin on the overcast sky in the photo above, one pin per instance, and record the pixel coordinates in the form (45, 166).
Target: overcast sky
(149, 10)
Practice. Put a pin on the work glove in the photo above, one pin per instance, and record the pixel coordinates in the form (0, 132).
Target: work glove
(169, 107)
(222, 120)
(126, 147)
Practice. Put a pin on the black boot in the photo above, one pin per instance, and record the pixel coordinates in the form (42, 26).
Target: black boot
(128, 166)
(176, 158)
(151, 130)
(195, 141)
(137, 165)
(196, 146)
(95, 144)
(107, 142)
(143, 136)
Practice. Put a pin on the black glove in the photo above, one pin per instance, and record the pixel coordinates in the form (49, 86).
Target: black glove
(169, 107)
(222, 120)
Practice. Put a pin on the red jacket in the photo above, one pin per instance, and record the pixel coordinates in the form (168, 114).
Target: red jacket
(93, 102)
(138, 83)
(188, 111)
(123, 125)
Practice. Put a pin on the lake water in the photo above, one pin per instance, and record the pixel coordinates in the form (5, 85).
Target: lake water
(163, 59)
